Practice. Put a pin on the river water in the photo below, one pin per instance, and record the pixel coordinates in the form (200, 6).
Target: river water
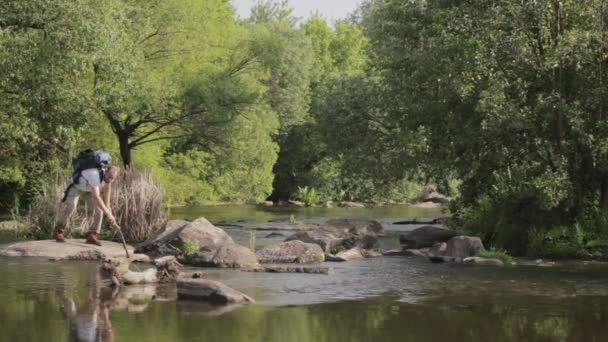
(376, 299)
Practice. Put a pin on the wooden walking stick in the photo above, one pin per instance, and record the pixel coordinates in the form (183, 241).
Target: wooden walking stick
(122, 237)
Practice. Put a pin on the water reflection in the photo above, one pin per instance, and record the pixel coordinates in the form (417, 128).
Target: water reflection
(90, 321)
(68, 302)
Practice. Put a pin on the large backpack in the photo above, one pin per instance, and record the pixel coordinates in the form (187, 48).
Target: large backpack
(88, 159)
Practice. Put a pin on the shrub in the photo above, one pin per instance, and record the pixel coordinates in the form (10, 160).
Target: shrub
(560, 242)
(309, 196)
(497, 254)
(190, 248)
(137, 202)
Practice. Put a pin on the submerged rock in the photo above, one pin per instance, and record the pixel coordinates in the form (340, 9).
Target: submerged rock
(425, 236)
(210, 291)
(228, 255)
(291, 252)
(294, 269)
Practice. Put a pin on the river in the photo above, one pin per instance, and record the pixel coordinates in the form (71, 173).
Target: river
(376, 299)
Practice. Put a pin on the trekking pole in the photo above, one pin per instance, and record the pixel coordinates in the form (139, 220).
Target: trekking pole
(122, 237)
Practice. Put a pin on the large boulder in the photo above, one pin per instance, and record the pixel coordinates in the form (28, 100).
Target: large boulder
(228, 255)
(210, 291)
(172, 238)
(342, 234)
(291, 252)
(457, 248)
(426, 236)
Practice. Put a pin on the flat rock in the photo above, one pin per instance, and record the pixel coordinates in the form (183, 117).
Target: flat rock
(295, 251)
(72, 249)
(210, 291)
(394, 252)
(483, 261)
(415, 252)
(346, 204)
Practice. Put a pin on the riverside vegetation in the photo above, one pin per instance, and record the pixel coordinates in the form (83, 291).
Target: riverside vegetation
(500, 104)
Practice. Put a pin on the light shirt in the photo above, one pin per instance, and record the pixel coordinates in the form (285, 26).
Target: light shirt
(89, 180)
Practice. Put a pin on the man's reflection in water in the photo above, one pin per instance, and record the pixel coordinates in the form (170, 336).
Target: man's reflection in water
(91, 321)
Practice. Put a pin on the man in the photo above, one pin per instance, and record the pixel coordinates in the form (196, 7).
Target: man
(91, 184)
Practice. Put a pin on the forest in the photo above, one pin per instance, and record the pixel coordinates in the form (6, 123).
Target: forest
(500, 105)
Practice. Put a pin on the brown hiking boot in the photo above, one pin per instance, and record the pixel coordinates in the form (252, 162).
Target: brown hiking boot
(58, 235)
(92, 239)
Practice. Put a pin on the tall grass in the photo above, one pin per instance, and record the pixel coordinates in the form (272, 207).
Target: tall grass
(137, 202)
(44, 209)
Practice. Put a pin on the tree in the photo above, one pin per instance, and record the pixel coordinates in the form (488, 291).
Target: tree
(159, 91)
(509, 96)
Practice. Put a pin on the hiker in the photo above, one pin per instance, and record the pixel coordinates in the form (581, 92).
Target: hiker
(91, 183)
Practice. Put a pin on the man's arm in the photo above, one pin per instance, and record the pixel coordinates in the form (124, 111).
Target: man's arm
(101, 205)
(107, 193)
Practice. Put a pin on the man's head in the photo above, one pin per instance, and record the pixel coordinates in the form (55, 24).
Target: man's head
(111, 174)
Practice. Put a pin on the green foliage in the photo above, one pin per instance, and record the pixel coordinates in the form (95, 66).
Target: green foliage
(191, 247)
(310, 196)
(497, 254)
(560, 242)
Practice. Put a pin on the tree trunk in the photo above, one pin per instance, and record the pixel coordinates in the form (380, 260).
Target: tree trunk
(125, 151)
(604, 194)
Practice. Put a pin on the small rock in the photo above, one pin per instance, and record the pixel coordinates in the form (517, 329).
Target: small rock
(296, 203)
(210, 291)
(274, 235)
(394, 252)
(268, 203)
(483, 261)
(346, 204)
(351, 254)
(414, 252)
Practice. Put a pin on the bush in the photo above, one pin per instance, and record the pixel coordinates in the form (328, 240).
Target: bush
(497, 254)
(560, 242)
(309, 196)
(137, 203)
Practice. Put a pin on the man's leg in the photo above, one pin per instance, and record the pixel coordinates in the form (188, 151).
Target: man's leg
(65, 212)
(97, 218)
